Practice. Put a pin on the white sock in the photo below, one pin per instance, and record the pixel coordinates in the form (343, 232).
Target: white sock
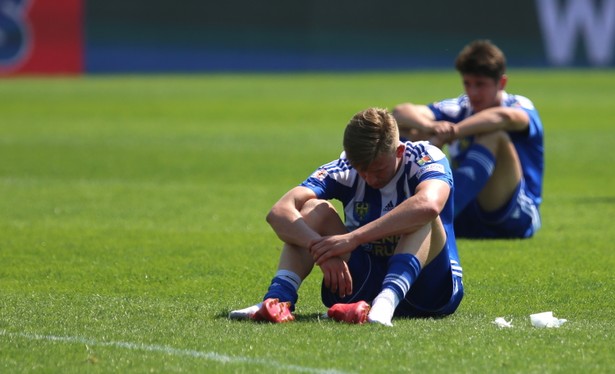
(245, 313)
(290, 277)
(383, 307)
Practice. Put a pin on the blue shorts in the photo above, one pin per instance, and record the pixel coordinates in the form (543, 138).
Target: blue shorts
(437, 291)
(520, 218)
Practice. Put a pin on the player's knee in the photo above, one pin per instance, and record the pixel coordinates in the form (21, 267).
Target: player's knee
(493, 141)
(317, 206)
(494, 137)
(400, 109)
(322, 216)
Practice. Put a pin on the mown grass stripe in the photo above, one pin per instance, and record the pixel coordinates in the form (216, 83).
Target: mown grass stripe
(211, 356)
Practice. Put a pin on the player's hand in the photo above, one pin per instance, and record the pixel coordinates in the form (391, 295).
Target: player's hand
(327, 247)
(336, 276)
(443, 133)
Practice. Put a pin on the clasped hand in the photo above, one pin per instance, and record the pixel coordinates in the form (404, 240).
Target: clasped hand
(326, 252)
(326, 247)
(443, 132)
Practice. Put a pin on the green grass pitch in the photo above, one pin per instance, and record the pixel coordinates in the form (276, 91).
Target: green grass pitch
(132, 220)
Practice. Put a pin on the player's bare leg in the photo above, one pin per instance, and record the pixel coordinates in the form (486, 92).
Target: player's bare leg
(413, 252)
(294, 266)
(506, 174)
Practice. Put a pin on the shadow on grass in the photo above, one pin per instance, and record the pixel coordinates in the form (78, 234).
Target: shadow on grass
(301, 317)
(595, 200)
(317, 317)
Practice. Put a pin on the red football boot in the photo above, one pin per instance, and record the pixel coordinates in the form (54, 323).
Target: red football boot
(274, 311)
(350, 313)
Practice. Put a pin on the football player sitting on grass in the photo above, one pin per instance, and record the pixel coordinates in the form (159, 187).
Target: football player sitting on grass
(496, 146)
(395, 254)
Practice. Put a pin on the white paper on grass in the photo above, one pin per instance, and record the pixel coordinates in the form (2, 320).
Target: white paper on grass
(546, 319)
(501, 322)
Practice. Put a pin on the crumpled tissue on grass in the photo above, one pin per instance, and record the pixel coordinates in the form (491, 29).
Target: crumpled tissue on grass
(546, 319)
(501, 322)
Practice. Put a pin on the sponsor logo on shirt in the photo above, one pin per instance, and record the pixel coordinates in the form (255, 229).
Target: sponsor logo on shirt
(431, 167)
(384, 247)
(320, 174)
(389, 207)
(424, 160)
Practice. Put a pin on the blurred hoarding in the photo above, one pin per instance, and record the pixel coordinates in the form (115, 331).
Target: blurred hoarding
(99, 36)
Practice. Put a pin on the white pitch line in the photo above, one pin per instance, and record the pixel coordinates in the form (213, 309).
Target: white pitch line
(211, 356)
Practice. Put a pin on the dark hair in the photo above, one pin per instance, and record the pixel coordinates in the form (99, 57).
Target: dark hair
(481, 57)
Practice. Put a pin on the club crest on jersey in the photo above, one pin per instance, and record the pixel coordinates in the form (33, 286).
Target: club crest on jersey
(361, 209)
(424, 160)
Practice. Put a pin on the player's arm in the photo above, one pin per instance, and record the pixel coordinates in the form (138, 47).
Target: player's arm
(408, 217)
(286, 220)
(412, 116)
(491, 120)
(414, 213)
(415, 122)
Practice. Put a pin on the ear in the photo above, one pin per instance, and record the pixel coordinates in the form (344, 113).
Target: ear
(503, 81)
(399, 152)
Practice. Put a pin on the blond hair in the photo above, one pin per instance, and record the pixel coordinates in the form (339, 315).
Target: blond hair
(370, 133)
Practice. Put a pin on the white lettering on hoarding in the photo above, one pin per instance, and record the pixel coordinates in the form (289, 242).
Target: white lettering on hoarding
(562, 22)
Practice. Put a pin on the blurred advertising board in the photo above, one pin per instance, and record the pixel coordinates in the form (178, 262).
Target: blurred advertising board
(41, 37)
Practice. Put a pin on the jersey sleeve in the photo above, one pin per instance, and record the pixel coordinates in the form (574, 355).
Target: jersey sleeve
(436, 170)
(535, 125)
(449, 110)
(328, 180)
(433, 164)
(317, 182)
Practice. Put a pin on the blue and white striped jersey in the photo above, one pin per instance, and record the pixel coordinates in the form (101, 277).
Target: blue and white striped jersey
(363, 204)
(529, 144)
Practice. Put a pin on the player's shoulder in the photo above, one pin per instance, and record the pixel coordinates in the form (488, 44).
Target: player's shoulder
(426, 161)
(337, 170)
(519, 101)
(452, 107)
(340, 165)
(422, 152)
